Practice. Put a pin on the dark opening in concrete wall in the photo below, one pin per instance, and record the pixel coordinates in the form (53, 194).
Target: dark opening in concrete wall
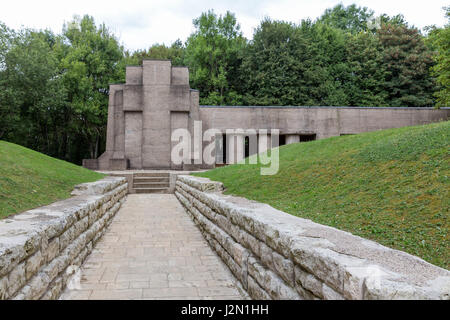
(307, 137)
(282, 140)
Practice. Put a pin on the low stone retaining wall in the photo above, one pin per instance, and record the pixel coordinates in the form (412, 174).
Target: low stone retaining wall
(279, 256)
(40, 249)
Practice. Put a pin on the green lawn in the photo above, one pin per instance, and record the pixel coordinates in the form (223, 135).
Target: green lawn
(391, 186)
(29, 179)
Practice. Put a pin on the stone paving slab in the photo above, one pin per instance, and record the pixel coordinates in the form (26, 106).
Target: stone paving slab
(153, 250)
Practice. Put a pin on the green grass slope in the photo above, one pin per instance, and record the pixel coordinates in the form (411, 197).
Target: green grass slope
(391, 186)
(29, 179)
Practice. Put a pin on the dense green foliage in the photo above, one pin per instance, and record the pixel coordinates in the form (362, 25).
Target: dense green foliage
(391, 186)
(90, 59)
(352, 18)
(320, 64)
(31, 93)
(29, 179)
(175, 53)
(213, 56)
(440, 39)
(407, 61)
(54, 87)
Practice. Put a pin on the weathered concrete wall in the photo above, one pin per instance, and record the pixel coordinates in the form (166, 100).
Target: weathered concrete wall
(323, 121)
(41, 248)
(279, 256)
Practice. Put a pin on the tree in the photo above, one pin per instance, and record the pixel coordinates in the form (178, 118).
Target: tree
(32, 89)
(440, 40)
(213, 56)
(271, 68)
(407, 61)
(91, 59)
(329, 72)
(6, 35)
(351, 18)
(174, 53)
(8, 113)
(368, 73)
(397, 20)
(288, 64)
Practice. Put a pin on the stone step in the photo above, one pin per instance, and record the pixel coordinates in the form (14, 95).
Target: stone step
(151, 174)
(150, 184)
(151, 190)
(150, 179)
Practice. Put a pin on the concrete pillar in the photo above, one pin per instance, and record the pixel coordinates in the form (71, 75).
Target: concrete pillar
(235, 148)
(219, 141)
(252, 143)
(264, 142)
(240, 147)
(292, 138)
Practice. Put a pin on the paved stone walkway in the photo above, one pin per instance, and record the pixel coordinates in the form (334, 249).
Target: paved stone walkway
(153, 250)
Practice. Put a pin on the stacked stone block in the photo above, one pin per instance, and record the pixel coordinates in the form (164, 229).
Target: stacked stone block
(40, 249)
(278, 256)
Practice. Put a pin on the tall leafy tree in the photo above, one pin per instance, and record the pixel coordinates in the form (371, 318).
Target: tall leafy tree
(174, 53)
(351, 18)
(9, 116)
(288, 64)
(6, 36)
(213, 55)
(407, 61)
(365, 86)
(30, 84)
(329, 71)
(273, 65)
(440, 40)
(91, 59)
(397, 20)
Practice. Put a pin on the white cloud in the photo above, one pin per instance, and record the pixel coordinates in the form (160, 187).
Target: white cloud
(140, 23)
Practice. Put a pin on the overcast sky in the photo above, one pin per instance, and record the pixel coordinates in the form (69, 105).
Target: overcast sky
(141, 23)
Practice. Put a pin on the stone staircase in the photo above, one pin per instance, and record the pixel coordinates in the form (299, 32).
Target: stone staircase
(154, 182)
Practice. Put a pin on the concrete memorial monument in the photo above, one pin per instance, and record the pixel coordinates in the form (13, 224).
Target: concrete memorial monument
(156, 100)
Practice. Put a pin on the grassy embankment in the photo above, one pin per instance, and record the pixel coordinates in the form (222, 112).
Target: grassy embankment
(391, 186)
(29, 179)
